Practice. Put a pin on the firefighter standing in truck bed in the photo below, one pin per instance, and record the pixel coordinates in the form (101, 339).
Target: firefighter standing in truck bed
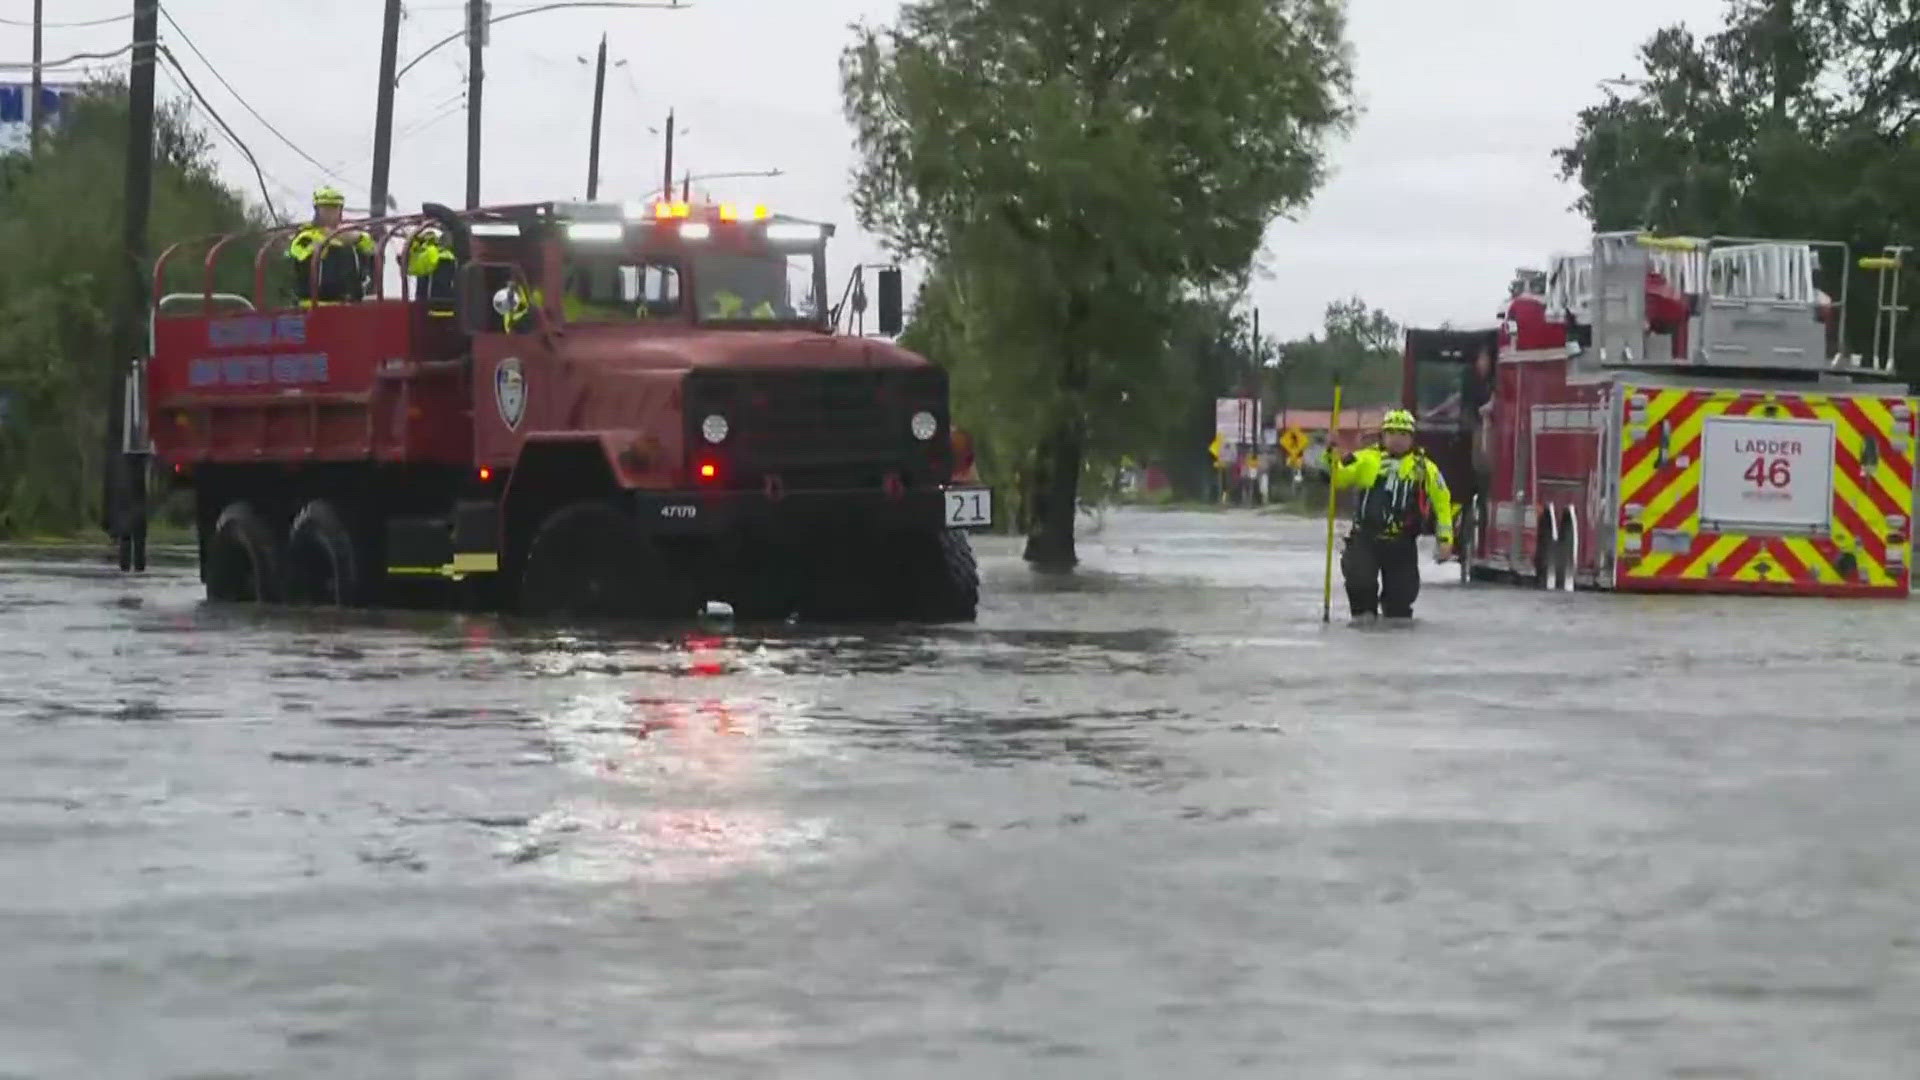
(1401, 492)
(344, 259)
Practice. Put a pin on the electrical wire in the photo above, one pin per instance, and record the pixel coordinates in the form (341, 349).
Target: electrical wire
(17, 65)
(237, 96)
(68, 25)
(224, 126)
(629, 5)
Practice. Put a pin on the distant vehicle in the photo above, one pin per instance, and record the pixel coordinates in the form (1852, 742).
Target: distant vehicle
(1677, 414)
(617, 410)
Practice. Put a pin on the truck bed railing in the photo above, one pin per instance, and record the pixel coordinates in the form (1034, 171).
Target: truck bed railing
(272, 243)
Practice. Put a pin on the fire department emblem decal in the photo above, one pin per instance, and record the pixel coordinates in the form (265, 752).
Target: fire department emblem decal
(510, 391)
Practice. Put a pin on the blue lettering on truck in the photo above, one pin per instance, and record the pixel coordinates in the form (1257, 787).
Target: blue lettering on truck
(285, 369)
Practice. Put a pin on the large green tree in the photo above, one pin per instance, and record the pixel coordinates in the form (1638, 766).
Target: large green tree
(1796, 120)
(1076, 170)
(60, 280)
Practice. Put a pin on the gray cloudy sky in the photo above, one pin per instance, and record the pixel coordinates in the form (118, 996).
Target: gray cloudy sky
(1444, 187)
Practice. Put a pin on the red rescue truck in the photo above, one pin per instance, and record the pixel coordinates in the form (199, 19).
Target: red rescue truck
(1677, 414)
(609, 410)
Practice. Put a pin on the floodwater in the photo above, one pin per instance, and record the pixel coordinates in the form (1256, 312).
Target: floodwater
(1155, 820)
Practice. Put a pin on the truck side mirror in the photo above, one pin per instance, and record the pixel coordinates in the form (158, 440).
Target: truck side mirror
(890, 313)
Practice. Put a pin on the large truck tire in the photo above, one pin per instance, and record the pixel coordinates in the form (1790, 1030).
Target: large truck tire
(943, 580)
(589, 560)
(921, 576)
(325, 564)
(244, 558)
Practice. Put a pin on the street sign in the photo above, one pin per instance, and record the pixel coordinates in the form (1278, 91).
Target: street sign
(1236, 420)
(1294, 442)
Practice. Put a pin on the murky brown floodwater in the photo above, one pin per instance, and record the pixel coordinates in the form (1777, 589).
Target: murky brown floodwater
(1154, 821)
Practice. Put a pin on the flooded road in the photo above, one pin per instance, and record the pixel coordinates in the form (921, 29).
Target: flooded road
(1155, 820)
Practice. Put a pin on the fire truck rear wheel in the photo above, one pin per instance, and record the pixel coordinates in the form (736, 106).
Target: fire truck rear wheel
(244, 558)
(325, 565)
(590, 560)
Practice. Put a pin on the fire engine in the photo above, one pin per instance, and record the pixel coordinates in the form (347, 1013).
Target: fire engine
(608, 410)
(1677, 414)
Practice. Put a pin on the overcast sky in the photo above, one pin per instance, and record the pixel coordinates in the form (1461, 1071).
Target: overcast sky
(1445, 186)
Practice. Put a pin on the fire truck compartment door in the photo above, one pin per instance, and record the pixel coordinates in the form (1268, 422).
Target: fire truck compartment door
(1766, 475)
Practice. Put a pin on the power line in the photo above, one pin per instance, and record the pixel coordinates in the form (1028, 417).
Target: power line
(17, 65)
(184, 36)
(215, 113)
(67, 25)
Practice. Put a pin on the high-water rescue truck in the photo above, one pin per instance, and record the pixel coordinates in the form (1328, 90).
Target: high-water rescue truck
(617, 410)
(1677, 414)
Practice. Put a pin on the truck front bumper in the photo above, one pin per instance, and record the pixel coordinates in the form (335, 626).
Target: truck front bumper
(691, 513)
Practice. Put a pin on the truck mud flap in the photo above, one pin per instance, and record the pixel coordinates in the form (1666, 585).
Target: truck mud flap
(1747, 491)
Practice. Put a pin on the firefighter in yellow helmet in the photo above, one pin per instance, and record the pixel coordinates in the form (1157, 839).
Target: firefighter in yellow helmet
(1401, 491)
(345, 262)
(431, 263)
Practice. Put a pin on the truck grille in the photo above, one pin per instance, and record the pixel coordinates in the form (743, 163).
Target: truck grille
(820, 428)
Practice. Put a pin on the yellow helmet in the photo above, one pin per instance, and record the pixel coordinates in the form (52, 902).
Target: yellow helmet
(327, 196)
(1397, 420)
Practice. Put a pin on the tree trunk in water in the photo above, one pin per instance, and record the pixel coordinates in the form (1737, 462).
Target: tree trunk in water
(1055, 491)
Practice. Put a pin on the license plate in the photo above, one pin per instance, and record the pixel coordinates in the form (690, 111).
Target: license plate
(969, 508)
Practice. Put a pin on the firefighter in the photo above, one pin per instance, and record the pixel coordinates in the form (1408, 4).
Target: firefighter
(343, 266)
(431, 263)
(727, 304)
(1401, 492)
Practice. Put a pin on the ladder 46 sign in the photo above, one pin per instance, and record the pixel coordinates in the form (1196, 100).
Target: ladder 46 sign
(1772, 473)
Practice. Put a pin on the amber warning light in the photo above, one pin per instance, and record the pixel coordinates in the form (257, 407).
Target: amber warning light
(709, 472)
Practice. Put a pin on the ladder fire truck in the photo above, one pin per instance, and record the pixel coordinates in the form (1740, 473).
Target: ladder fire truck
(612, 409)
(1677, 414)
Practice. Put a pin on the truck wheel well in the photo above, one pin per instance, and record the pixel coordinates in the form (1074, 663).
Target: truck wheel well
(547, 477)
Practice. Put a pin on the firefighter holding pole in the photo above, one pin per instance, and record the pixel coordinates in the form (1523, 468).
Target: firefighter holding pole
(1401, 491)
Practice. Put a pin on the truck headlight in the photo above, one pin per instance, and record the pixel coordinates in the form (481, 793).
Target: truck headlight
(714, 428)
(924, 425)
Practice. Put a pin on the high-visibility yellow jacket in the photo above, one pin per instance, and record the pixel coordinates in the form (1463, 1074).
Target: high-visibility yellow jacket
(1396, 493)
(306, 244)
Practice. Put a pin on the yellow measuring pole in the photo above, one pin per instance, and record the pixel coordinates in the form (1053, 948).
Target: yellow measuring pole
(1333, 461)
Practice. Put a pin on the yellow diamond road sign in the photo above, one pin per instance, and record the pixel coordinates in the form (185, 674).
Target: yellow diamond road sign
(1293, 441)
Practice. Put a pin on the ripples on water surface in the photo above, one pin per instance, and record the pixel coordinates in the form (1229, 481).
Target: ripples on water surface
(1154, 819)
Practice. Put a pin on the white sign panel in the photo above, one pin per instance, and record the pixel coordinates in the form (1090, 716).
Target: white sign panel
(16, 111)
(1767, 474)
(1236, 420)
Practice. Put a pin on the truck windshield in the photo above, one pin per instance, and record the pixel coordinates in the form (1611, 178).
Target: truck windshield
(761, 286)
(620, 288)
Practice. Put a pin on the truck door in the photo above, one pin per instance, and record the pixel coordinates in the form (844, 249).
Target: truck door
(511, 333)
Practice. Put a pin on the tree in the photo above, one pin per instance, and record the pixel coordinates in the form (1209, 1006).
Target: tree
(1795, 120)
(60, 278)
(1075, 171)
(1358, 345)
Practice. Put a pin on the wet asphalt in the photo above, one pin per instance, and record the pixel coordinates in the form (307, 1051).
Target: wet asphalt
(1151, 820)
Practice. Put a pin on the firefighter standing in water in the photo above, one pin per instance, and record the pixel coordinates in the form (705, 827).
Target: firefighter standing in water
(1401, 490)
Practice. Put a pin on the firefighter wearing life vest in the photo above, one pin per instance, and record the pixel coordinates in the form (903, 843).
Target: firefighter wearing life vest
(1402, 494)
(344, 256)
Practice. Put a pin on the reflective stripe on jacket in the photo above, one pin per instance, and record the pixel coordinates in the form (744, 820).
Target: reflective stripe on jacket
(310, 236)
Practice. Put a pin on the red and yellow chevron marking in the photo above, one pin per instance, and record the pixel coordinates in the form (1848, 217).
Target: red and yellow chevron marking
(1664, 495)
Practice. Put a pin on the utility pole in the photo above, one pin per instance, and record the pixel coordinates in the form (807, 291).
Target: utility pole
(686, 186)
(33, 125)
(126, 488)
(383, 110)
(666, 176)
(476, 41)
(593, 148)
